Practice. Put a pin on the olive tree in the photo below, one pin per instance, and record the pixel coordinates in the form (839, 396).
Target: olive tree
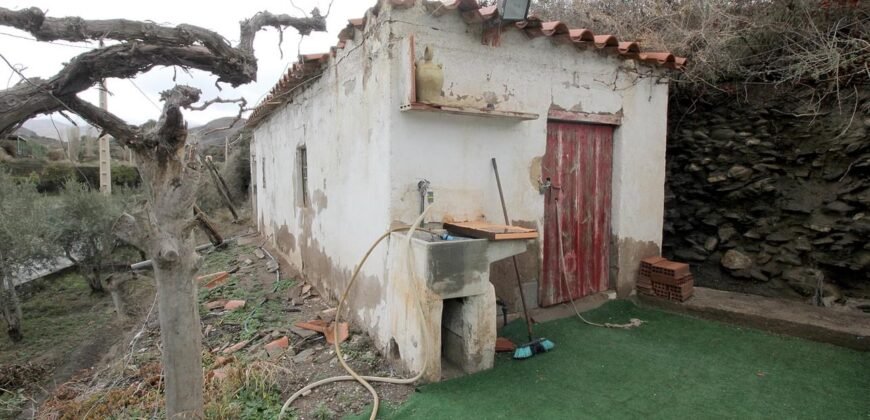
(82, 223)
(23, 229)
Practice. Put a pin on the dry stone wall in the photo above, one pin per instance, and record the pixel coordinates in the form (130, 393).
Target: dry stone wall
(771, 195)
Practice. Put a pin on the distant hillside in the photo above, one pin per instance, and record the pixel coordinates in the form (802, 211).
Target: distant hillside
(207, 136)
(44, 127)
(23, 132)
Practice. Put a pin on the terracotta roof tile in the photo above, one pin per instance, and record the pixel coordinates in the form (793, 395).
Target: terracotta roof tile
(554, 28)
(661, 58)
(603, 41)
(581, 35)
(311, 66)
(629, 48)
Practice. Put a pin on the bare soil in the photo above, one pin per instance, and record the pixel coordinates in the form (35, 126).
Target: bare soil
(113, 369)
(271, 310)
(67, 329)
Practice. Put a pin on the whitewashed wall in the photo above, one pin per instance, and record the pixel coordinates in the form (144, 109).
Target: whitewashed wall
(343, 121)
(365, 157)
(454, 152)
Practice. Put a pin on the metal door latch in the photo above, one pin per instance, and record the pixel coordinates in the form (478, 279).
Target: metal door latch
(545, 186)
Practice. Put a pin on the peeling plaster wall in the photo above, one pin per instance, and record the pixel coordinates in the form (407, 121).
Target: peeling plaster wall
(453, 152)
(342, 121)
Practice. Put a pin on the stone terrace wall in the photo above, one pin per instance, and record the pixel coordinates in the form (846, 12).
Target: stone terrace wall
(765, 197)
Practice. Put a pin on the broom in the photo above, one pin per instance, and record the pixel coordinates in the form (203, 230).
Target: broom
(534, 346)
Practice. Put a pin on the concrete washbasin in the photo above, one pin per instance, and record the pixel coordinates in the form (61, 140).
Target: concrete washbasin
(451, 279)
(458, 267)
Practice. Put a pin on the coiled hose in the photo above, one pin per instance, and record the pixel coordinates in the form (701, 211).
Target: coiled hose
(365, 381)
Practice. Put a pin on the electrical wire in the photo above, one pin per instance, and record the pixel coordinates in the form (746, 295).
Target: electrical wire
(46, 42)
(157, 107)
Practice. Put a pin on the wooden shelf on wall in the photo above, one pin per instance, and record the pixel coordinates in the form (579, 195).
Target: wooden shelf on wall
(482, 230)
(472, 111)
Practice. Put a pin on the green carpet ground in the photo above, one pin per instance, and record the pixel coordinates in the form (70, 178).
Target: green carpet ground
(673, 367)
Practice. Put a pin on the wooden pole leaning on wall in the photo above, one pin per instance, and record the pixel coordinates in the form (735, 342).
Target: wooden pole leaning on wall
(208, 227)
(221, 186)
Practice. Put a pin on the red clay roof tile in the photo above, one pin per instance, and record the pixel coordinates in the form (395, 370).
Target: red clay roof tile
(310, 66)
(581, 35)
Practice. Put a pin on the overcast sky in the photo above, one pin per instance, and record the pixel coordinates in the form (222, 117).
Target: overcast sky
(44, 60)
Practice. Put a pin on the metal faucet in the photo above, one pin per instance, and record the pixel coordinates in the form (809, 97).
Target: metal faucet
(423, 188)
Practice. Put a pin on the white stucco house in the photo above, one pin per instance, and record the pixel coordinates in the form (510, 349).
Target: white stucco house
(341, 148)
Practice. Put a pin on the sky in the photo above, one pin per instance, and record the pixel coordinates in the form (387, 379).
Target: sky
(37, 59)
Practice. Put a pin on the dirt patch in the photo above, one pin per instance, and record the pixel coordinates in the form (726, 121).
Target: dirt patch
(243, 378)
(67, 329)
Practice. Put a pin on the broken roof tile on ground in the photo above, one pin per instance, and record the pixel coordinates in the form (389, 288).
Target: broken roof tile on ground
(311, 66)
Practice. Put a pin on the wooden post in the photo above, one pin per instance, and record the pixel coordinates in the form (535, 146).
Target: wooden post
(221, 186)
(226, 149)
(207, 226)
(72, 144)
(105, 149)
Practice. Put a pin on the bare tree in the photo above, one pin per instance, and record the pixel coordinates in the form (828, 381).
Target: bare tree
(164, 226)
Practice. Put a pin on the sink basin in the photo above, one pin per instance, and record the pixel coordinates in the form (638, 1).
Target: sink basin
(458, 267)
(450, 279)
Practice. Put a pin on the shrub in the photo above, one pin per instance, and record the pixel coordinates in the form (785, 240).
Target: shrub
(82, 224)
(23, 229)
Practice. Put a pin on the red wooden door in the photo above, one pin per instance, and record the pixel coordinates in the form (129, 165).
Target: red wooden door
(578, 164)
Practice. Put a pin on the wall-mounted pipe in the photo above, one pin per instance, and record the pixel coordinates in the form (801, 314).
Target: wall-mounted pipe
(423, 187)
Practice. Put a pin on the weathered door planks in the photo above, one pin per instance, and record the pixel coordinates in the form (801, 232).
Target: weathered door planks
(578, 164)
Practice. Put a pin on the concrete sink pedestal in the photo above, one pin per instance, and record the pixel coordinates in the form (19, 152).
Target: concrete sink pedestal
(451, 279)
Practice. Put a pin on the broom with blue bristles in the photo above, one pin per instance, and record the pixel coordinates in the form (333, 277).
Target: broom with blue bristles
(534, 346)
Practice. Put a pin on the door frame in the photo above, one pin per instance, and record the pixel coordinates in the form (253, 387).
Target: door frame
(558, 115)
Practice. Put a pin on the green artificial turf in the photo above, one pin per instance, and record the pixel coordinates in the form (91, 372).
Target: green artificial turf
(673, 367)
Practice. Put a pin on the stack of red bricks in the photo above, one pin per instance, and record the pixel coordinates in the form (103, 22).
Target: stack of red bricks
(665, 279)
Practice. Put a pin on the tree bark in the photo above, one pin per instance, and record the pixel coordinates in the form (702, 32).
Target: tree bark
(94, 279)
(171, 184)
(115, 286)
(180, 332)
(11, 310)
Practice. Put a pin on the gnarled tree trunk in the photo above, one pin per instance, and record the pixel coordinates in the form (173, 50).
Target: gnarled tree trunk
(165, 231)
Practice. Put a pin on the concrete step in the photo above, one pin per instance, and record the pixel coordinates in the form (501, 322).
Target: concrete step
(839, 327)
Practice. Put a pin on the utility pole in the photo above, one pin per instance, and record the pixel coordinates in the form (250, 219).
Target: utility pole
(105, 150)
(72, 144)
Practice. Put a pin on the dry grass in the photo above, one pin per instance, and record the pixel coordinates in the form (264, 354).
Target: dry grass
(246, 391)
(792, 42)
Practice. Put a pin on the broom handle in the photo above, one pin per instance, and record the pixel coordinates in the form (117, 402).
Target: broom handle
(507, 221)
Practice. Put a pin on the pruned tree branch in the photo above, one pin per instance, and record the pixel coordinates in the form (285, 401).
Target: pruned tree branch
(305, 25)
(132, 231)
(144, 45)
(218, 100)
(241, 102)
(128, 135)
(171, 129)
